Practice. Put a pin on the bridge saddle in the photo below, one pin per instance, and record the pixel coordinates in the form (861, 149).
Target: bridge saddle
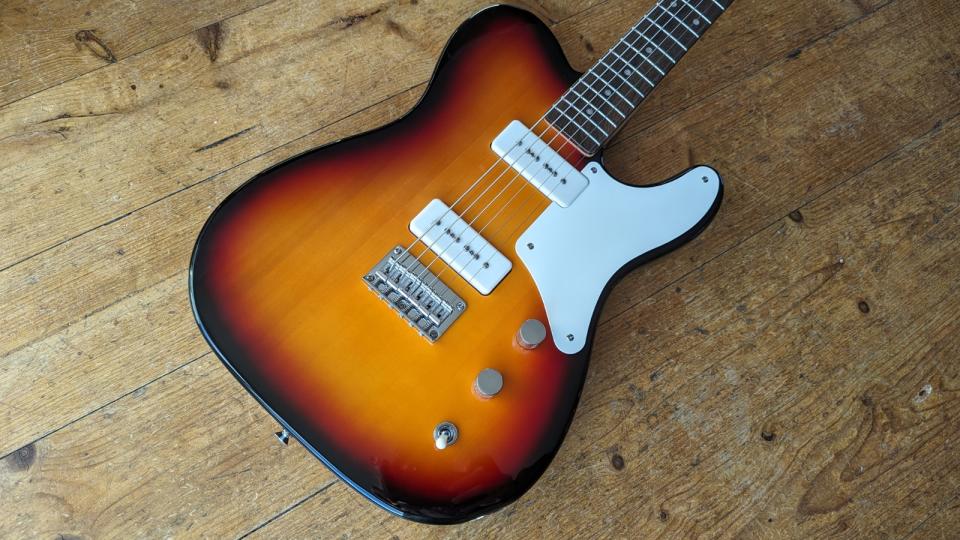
(428, 306)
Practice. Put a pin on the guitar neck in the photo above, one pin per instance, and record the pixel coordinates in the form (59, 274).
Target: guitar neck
(599, 103)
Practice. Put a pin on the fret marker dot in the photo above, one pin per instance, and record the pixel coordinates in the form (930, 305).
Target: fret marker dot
(589, 111)
(696, 22)
(628, 72)
(608, 92)
(649, 50)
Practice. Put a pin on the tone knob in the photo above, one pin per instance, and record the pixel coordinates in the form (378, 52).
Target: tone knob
(532, 333)
(488, 383)
(444, 435)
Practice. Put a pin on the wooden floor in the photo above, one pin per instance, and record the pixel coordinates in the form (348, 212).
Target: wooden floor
(793, 372)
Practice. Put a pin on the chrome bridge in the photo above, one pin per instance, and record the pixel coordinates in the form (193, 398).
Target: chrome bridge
(427, 305)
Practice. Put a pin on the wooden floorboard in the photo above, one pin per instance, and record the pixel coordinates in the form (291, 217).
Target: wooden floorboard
(792, 372)
(43, 44)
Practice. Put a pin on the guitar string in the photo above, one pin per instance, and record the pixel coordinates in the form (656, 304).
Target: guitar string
(523, 185)
(533, 207)
(662, 28)
(429, 247)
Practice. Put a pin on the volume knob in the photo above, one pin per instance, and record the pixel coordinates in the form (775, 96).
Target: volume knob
(531, 334)
(488, 383)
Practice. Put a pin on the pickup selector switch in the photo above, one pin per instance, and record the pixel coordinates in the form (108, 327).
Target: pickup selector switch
(488, 383)
(444, 435)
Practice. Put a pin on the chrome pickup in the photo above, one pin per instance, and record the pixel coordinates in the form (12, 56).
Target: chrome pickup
(429, 306)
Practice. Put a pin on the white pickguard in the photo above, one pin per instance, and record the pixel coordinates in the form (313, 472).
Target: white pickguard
(576, 250)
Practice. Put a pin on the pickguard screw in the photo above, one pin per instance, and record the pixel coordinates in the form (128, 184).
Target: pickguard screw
(569, 337)
(461, 306)
(593, 170)
(704, 179)
(529, 245)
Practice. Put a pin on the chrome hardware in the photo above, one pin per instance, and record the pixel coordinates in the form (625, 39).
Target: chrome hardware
(283, 436)
(531, 334)
(444, 435)
(429, 306)
(488, 383)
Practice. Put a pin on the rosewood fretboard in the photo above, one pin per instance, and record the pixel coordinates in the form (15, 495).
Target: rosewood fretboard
(599, 103)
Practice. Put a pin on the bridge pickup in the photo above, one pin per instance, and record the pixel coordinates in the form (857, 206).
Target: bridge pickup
(540, 164)
(461, 247)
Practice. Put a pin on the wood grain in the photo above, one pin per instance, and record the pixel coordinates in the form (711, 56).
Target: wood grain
(793, 372)
(43, 44)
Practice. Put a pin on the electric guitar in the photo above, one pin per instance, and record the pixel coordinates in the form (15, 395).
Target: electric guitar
(416, 304)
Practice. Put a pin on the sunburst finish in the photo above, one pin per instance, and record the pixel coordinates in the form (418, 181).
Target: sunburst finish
(277, 290)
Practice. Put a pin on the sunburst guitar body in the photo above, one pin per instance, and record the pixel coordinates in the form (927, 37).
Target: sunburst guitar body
(416, 304)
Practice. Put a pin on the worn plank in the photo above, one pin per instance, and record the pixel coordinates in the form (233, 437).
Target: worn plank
(163, 460)
(942, 522)
(759, 397)
(43, 44)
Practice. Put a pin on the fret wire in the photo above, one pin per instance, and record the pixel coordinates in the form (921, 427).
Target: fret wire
(582, 113)
(618, 74)
(579, 127)
(663, 52)
(592, 106)
(641, 55)
(607, 101)
(678, 19)
(607, 97)
(630, 66)
(604, 81)
(570, 130)
(697, 11)
(669, 35)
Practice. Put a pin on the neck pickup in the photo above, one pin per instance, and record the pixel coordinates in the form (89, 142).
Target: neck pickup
(540, 164)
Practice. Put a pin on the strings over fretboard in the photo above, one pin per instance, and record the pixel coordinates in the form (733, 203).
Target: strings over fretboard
(600, 102)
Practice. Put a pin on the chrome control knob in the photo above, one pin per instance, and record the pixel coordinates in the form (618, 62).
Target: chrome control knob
(444, 435)
(532, 333)
(488, 383)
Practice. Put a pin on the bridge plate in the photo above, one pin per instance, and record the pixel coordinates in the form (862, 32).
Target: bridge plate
(428, 306)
